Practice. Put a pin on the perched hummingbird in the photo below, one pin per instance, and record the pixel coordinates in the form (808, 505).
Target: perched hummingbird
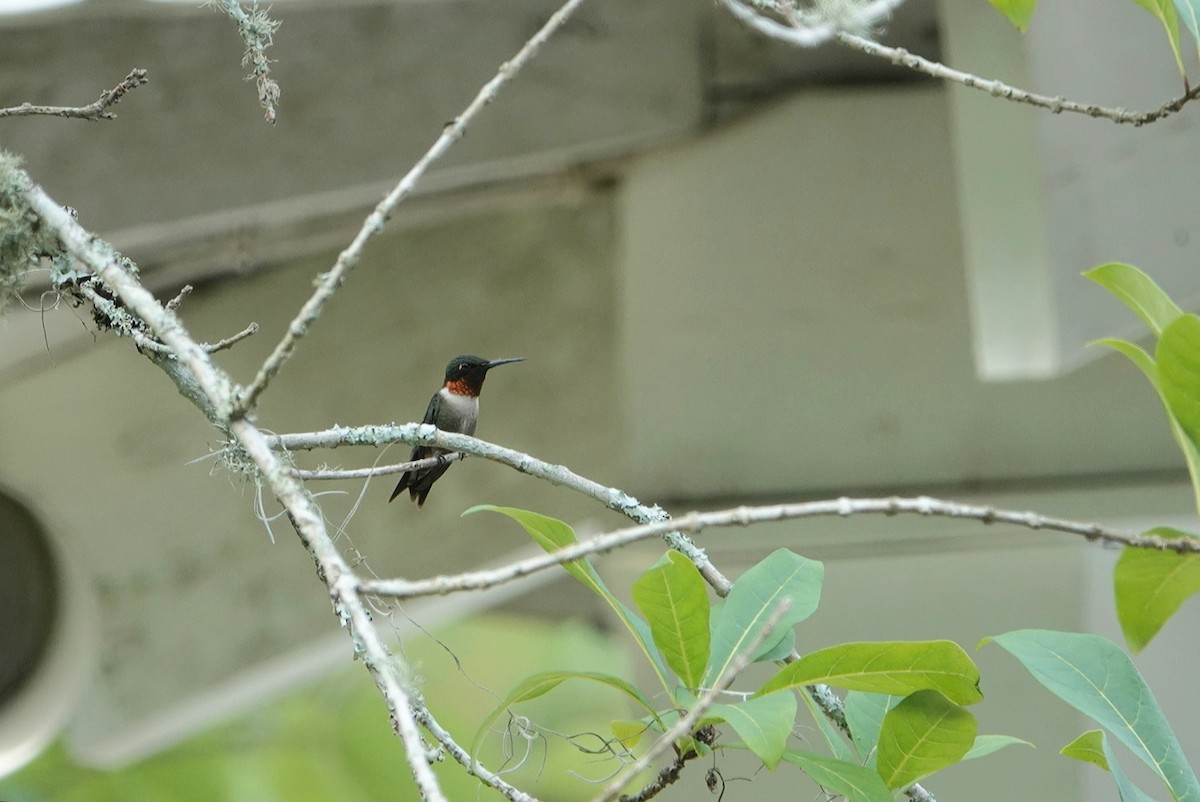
(454, 408)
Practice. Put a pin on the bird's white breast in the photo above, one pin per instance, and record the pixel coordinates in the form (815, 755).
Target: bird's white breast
(465, 407)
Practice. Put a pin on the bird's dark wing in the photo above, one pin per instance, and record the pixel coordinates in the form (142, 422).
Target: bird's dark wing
(431, 412)
(417, 483)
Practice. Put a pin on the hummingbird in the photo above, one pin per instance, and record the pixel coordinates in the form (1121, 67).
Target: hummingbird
(454, 408)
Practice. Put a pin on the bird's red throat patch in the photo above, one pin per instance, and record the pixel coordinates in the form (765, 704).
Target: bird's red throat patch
(461, 387)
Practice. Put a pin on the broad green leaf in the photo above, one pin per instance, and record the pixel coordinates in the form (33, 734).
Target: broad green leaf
(764, 728)
(1134, 288)
(755, 596)
(856, 783)
(1150, 586)
(782, 648)
(833, 736)
(1164, 10)
(673, 597)
(1088, 747)
(540, 684)
(893, 667)
(1189, 12)
(1019, 12)
(864, 715)
(1146, 363)
(552, 534)
(1094, 676)
(1178, 358)
(987, 744)
(1092, 747)
(629, 733)
(1125, 787)
(923, 734)
(775, 647)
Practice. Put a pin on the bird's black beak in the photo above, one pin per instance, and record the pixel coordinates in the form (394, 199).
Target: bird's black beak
(496, 362)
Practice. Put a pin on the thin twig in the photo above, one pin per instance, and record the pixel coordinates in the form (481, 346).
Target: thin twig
(120, 321)
(184, 292)
(999, 89)
(99, 110)
(464, 758)
(382, 470)
(688, 722)
(803, 35)
(229, 342)
(127, 325)
(695, 522)
(349, 258)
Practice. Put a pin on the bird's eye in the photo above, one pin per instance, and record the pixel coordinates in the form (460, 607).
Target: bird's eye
(462, 365)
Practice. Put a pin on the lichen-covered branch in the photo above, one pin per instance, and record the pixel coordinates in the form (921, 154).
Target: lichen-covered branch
(695, 522)
(257, 30)
(464, 758)
(382, 470)
(97, 110)
(214, 392)
(795, 30)
(425, 434)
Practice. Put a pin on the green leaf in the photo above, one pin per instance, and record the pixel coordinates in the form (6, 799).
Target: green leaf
(765, 728)
(775, 647)
(1164, 10)
(1125, 787)
(1135, 289)
(1150, 586)
(1092, 747)
(1178, 357)
(834, 738)
(923, 734)
(552, 534)
(1146, 363)
(1094, 676)
(673, 597)
(1189, 11)
(754, 598)
(864, 715)
(856, 783)
(540, 684)
(1088, 747)
(1136, 355)
(782, 648)
(1019, 12)
(628, 732)
(893, 667)
(987, 744)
